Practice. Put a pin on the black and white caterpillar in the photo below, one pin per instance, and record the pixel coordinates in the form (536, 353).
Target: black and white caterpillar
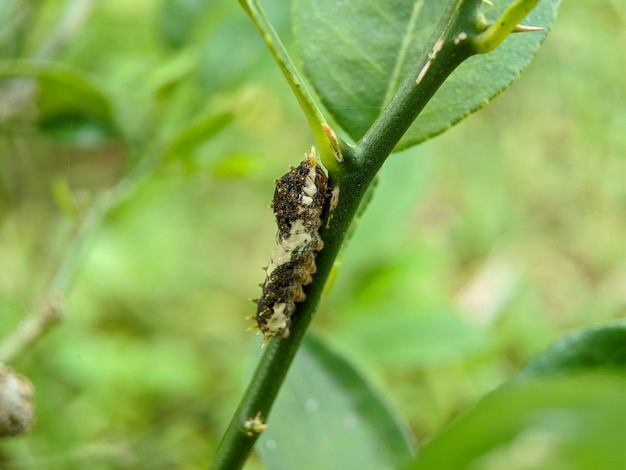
(299, 200)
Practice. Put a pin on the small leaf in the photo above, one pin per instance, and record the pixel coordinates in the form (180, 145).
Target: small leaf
(592, 350)
(327, 416)
(70, 105)
(356, 53)
(565, 424)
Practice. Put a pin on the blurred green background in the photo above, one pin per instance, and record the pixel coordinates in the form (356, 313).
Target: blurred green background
(480, 247)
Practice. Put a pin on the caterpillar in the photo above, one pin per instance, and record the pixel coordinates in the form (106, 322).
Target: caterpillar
(299, 199)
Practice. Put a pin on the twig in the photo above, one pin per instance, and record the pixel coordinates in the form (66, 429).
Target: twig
(50, 310)
(456, 38)
(32, 328)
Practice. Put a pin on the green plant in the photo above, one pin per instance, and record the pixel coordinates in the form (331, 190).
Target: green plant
(127, 381)
(376, 100)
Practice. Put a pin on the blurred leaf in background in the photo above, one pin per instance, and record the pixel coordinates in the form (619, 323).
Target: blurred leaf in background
(69, 106)
(565, 409)
(567, 423)
(478, 249)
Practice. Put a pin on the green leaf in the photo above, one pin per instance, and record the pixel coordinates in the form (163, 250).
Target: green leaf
(406, 338)
(70, 105)
(591, 350)
(572, 418)
(566, 424)
(356, 53)
(327, 416)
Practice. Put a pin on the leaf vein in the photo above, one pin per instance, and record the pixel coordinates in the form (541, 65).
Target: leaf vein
(402, 53)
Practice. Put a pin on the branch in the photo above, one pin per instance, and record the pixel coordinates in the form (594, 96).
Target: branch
(508, 23)
(32, 328)
(455, 39)
(50, 310)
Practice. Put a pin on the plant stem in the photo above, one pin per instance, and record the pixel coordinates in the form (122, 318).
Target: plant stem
(259, 397)
(453, 41)
(503, 26)
(443, 55)
(51, 307)
(272, 369)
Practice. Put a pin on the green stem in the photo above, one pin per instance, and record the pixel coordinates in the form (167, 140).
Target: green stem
(453, 42)
(272, 369)
(493, 36)
(50, 309)
(261, 393)
(448, 47)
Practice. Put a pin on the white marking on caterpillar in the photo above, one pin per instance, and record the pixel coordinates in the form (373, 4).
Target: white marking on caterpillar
(299, 200)
(287, 248)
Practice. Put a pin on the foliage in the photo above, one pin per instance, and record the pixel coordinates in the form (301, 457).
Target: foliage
(478, 249)
(379, 47)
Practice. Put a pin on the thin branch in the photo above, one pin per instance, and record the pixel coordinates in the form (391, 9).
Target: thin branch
(351, 180)
(17, 410)
(508, 23)
(451, 44)
(50, 309)
(32, 328)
